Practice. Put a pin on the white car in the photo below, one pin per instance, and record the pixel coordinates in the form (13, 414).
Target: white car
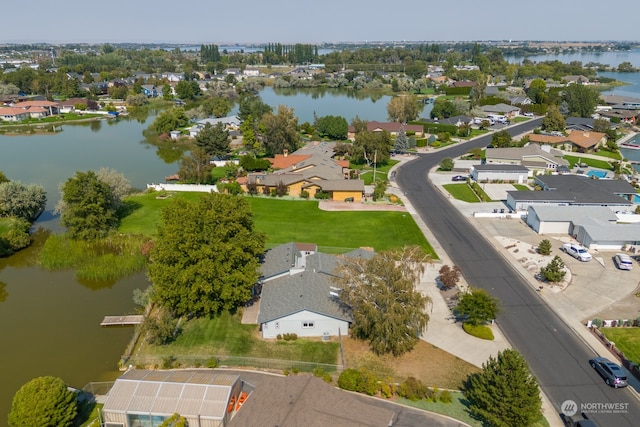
(578, 252)
(623, 261)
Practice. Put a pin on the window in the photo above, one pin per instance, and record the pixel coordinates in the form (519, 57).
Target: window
(307, 325)
(277, 325)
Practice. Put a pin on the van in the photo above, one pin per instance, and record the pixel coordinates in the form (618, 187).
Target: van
(623, 261)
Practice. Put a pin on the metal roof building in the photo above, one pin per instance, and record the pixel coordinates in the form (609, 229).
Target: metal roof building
(144, 398)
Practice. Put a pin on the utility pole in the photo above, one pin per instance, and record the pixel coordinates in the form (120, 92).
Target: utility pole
(375, 156)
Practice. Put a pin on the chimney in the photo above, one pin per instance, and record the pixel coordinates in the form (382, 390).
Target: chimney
(285, 152)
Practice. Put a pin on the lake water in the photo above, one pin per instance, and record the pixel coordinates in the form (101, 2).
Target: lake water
(49, 321)
(608, 58)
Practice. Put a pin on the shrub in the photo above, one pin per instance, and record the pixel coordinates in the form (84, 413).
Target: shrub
(290, 337)
(553, 272)
(597, 322)
(412, 389)
(349, 379)
(449, 277)
(304, 194)
(544, 247)
(327, 378)
(169, 362)
(279, 337)
(385, 390)
(367, 383)
(445, 396)
(295, 370)
(479, 331)
(318, 371)
(212, 363)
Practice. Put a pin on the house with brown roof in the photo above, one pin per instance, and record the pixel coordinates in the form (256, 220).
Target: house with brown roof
(582, 141)
(12, 114)
(49, 106)
(392, 127)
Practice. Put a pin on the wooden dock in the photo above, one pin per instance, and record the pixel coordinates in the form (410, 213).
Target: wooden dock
(122, 320)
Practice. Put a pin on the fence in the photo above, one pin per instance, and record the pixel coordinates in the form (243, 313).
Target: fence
(195, 361)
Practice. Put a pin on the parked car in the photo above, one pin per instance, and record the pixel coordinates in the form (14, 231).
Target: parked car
(578, 252)
(612, 373)
(584, 421)
(528, 114)
(459, 178)
(623, 261)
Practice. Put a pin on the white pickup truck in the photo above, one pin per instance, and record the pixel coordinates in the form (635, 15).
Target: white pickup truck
(577, 251)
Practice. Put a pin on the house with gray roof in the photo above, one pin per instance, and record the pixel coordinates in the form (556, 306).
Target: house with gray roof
(298, 295)
(574, 190)
(594, 233)
(503, 109)
(492, 172)
(546, 219)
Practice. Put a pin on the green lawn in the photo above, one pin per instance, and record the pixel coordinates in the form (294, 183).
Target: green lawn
(626, 339)
(614, 155)
(521, 187)
(457, 409)
(594, 163)
(366, 172)
(298, 220)
(224, 335)
(462, 192)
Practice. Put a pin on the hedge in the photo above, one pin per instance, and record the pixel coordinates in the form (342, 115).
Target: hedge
(480, 331)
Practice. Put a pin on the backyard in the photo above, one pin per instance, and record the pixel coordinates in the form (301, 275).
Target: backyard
(627, 340)
(285, 221)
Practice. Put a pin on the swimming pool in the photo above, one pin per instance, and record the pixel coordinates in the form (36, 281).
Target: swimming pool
(636, 199)
(597, 174)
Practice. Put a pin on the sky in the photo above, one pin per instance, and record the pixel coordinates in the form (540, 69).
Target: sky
(314, 22)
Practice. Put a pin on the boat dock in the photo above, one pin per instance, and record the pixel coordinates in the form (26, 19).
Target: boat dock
(122, 320)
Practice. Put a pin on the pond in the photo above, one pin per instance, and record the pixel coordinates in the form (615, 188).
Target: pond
(49, 321)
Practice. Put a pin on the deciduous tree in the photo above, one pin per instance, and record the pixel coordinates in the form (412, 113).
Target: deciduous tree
(477, 307)
(195, 167)
(371, 147)
(388, 311)
(280, 131)
(332, 127)
(553, 121)
(43, 401)
(404, 108)
(580, 99)
(22, 200)
(501, 139)
(87, 206)
(205, 258)
(504, 393)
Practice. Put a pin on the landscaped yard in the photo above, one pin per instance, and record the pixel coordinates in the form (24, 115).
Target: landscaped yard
(594, 163)
(285, 221)
(462, 192)
(626, 339)
(224, 335)
(522, 187)
(381, 171)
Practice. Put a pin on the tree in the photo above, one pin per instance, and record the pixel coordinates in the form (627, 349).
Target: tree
(21, 200)
(43, 401)
(580, 99)
(388, 311)
(187, 89)
(501, 139)
(554, 271)
(446, 164)
(119, 184)
(449, 276)
(280, 131)
(404, 108)
(537, 91)
(477, 307)
(205, 257)
(332, 127)
(195, 167)
(443, 109)
(371, 147)
(87, 206)
(252, 105)
(217, 106)
(214, 140)
(175, 420)
(171, 119)
(553, 121)
(379, 189)
(504, 393)
(359, 125)
(402, 144)
(544, 247)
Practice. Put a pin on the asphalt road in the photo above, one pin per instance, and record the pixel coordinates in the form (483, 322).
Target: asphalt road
(555, 353)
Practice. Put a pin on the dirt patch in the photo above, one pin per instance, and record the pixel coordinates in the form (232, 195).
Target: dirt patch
(431, 365)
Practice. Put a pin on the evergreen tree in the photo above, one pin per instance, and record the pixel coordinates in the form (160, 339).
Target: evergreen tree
(43, 401)
(504, 393)
(214, 140)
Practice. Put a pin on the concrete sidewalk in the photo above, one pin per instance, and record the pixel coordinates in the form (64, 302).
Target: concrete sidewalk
(442, 331)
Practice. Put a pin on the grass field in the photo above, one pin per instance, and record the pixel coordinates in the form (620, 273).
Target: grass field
(366, 172)
(462, 192)
(594, 163)
(521, 187)
(224, 335)
(626, 339)
(614, 155)
(298, 220)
